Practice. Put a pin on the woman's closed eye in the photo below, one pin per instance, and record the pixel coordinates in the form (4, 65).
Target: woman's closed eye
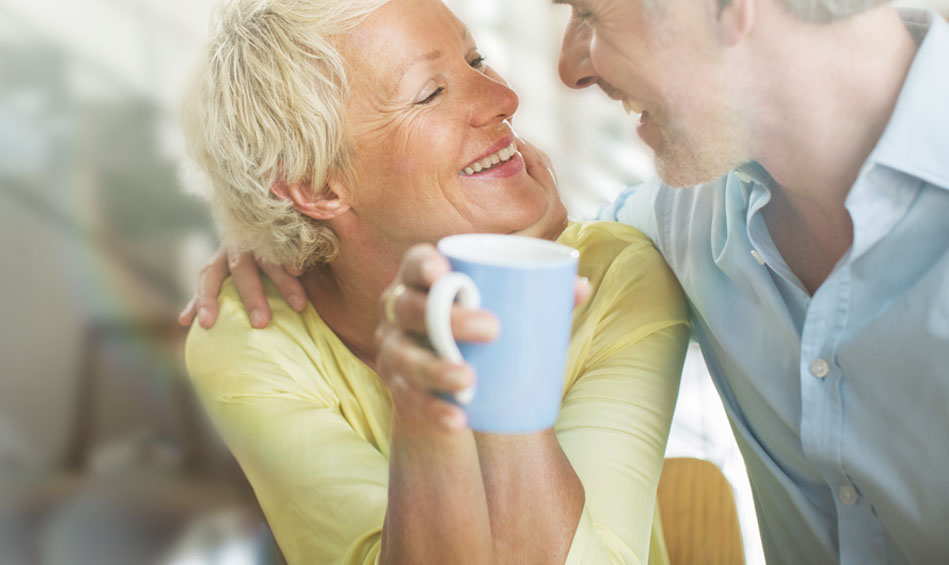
(477, 63)
(431, 97)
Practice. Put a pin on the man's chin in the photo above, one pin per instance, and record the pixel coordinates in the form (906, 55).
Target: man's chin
(683, 172)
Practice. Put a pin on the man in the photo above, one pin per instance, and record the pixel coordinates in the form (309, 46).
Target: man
(814, 247)
(817, 267)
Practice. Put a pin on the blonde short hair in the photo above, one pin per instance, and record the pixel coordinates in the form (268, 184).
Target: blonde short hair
(266, 104)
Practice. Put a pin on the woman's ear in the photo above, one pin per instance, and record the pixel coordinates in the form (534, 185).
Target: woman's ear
(735, 20)
(323, 205)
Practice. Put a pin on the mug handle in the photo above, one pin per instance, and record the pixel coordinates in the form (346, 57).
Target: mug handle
(438, 318)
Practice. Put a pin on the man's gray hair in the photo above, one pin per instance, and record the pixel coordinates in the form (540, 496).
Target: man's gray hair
(822, 11)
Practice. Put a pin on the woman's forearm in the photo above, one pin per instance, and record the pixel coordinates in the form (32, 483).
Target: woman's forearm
(437, 510)
(534, 496)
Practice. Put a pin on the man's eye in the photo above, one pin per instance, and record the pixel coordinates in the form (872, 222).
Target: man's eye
(584, 16)
(428, 99)
(478, 63)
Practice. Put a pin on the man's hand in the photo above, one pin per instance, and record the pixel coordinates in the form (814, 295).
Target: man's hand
(245, 269)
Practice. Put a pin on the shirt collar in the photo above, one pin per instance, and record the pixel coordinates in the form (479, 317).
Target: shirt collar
(917, 135)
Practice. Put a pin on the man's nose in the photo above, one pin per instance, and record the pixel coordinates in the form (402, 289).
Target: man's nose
(576, 68)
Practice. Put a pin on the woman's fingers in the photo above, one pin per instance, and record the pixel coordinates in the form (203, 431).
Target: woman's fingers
(408, 312)
(582, 290)
(415, 378)
(401, 355)
(421, 266)
(424, 409)
(538, 164)
(403, 302)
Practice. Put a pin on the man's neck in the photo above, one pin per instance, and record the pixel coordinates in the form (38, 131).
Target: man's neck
(827, 93)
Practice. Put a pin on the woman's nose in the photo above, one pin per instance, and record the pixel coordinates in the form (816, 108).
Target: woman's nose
(499, 102)
(576, 68)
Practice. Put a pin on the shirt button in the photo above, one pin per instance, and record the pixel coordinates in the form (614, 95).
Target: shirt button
(848, 495)
(819, 368)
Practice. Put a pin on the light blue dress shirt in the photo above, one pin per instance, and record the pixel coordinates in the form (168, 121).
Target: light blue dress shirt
(839, 401)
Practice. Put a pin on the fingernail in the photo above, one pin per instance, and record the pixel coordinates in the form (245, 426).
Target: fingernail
(458, 376)
(297, 302)
(481, 327)
(257, 318)
(464, 397)
(453, 420)
(428, 269)
(203, 316)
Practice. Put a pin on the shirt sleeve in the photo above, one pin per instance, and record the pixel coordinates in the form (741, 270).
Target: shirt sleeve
(615, 419)
(322, 486)
(636, 206)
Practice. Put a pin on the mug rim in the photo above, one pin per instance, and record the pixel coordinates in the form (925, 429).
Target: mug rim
(461, 248)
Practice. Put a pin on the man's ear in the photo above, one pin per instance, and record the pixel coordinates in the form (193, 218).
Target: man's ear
(319, 205)
(735, 20)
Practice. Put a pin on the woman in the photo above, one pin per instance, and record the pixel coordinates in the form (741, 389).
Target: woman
(334, 136)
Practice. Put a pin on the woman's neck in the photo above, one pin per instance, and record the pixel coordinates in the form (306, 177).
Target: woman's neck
(346, 295)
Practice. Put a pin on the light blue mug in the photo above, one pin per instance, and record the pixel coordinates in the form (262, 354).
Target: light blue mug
(528, 284)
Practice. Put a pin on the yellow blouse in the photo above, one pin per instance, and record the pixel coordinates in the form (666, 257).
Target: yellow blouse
(310, 423)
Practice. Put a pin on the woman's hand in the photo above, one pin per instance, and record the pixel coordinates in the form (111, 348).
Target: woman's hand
(411, 370)
(541, 170)
(245, 269)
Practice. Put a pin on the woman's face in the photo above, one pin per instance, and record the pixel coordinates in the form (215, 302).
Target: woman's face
(428, 126)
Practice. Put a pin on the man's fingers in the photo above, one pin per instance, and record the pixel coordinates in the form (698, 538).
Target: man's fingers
(246, 277)
(210, 279)
(288, 285)
(186, 317)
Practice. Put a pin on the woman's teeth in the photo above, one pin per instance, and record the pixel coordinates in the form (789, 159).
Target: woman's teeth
(501, 156)
(632, 107)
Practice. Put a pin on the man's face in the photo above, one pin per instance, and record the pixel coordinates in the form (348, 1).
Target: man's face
(667, 63)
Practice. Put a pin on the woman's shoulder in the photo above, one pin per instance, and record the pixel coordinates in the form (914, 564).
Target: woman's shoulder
(615, 249)
(627, 272)
(603, 238)
(232, 342)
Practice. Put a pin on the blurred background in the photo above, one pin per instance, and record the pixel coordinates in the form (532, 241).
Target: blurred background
(104, 455)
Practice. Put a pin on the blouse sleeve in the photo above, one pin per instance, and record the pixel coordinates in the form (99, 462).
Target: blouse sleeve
(322, 486)
(616, 416)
